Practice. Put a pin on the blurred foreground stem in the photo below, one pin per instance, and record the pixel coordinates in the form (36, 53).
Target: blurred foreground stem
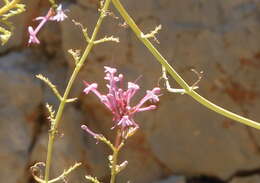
(8, 6)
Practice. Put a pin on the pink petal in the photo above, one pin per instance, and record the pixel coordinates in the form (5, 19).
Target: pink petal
(150, 95)
(110, 70)
(40, 18)
(151, 107)
(132, 89)
(60, 15)
(133, 86)
(90, 87)
(125, 122)
(32, 36)
(30, 30)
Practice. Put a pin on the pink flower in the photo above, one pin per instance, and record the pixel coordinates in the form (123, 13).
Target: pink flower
(59, 16)
(117, 100)
(32, 34)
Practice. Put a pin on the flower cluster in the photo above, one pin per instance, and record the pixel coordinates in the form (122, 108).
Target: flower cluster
(52, 15)
(117, 100)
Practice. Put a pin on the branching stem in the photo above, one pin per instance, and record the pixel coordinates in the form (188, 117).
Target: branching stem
(8, 6)
(79, 65)
(117, 147)
(113, 166)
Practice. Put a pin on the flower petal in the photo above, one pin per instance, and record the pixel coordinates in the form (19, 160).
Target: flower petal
(90, 87)
(126, 122)
(110, 70)
(151, 107)
(60, 15)
(151, 95)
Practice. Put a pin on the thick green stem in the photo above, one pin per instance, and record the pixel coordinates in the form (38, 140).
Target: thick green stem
(68, 88)
(176, 76)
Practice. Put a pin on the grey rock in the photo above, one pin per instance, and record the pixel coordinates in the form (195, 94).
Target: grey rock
(88, 3)
(173, 179)
(250, 179)
(180, 137)
(19, 99)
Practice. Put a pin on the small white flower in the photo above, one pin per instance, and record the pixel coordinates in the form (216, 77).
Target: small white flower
(60, 14)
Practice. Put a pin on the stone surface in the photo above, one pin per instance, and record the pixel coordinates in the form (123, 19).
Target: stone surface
(251, 179)
(181, 136)
(173, 179)
(20, 100)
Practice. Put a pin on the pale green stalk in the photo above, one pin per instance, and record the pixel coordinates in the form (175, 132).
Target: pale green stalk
(176, 76)
(113, 166)
(116, 149)
(79, 65)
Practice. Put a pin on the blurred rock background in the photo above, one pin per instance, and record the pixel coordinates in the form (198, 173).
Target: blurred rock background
(181, 141)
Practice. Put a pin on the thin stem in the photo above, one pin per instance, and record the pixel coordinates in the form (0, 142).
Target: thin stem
(49, 156)
(118, 139)
(176, 76)
(114, 157)
(68, 88)
(8, 6)
(113, 166)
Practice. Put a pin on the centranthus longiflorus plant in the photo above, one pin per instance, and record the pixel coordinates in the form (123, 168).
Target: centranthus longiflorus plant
(117, 100)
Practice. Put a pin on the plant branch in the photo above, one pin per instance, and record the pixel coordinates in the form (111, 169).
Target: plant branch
(113, 158)
(59, 178)
(52, 86)
(8, 6)
(113, 166)
(188, 90)
(79, 65)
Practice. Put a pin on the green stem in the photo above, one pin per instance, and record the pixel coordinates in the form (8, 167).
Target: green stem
(113, 166)
(68, 88)
(8, 6)
(176, 76)
(114, 157)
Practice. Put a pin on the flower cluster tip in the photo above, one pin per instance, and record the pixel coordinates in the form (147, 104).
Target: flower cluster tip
(118, 100)
(58, 16)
